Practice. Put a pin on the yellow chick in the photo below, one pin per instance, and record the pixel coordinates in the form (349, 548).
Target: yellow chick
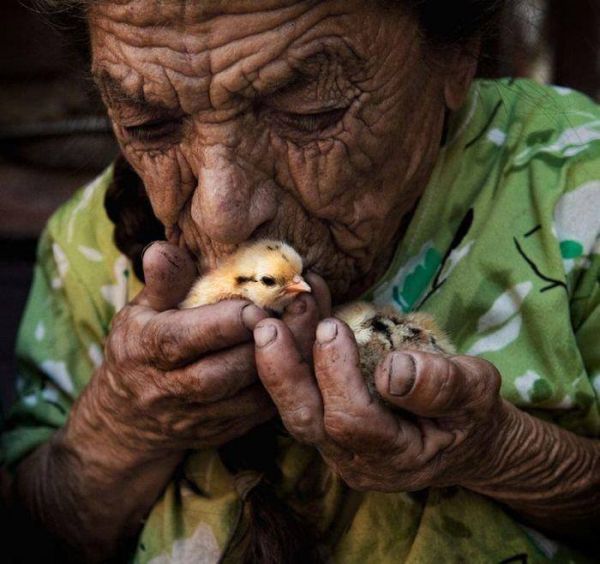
(266, 272)
(380, 330)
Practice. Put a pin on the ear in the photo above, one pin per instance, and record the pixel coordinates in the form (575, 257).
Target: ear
(462, 66)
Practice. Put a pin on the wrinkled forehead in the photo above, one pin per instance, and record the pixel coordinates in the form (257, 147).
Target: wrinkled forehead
(149, 13)
(199, 55)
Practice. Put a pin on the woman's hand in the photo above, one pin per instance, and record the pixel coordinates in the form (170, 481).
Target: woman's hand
(444, 424)
(451, 409)
(173, 379)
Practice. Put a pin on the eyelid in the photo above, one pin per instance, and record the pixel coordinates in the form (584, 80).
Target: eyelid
(154, 129)
(310, 122)
(304, 105)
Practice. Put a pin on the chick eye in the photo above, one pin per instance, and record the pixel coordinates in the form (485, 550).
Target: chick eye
(268, 280)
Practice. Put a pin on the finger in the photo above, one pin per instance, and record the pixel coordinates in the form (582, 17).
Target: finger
(224, 432)
(351, 416)
(210, 424)
(289, 380)
(252, 400)
(321, 294)
(337, 368)
(186, 418)
(433, 385)
(216, 377)
(302, 317)
(174, 338)
(169, 273)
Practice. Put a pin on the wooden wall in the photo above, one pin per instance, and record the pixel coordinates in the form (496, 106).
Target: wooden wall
(555, 41)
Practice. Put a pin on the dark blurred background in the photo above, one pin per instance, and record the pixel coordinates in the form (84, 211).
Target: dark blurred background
(54, 136)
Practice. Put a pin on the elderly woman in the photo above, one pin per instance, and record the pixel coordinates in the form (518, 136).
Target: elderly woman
(354, 131)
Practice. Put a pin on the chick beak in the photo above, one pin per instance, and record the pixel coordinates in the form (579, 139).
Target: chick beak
(297, 286)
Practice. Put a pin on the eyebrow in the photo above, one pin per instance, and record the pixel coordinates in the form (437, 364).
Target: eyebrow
(302, 72)
(116, 95)
(114, 92)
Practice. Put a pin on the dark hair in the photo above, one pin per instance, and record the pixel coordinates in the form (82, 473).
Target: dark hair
(274, 532)
(457, 21)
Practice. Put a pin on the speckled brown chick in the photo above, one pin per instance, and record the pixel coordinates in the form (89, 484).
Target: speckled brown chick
(381, 329)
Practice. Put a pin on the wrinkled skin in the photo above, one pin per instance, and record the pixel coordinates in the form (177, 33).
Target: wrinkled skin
(318, 123)
(292, 120)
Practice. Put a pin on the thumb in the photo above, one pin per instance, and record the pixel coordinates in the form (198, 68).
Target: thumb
(169, 273)
(433, 385)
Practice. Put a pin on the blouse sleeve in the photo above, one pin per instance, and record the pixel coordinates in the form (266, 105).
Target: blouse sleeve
(586, 325)
(57, 351)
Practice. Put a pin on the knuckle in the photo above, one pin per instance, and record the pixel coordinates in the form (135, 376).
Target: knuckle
(117, 347)
(162, 346)
(150, 397)
(339, 427)
(211, 333)
(168, 348)
(357, 482)
(493, 379)
(449, 382)
(483, 379)
(206, 389)
(442, 387)
(449, 376)
(112, 349)
(303, 424)
(123, 340)
(182, 426)
(121, 317)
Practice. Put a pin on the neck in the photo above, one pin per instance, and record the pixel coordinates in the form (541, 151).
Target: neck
(384, 259)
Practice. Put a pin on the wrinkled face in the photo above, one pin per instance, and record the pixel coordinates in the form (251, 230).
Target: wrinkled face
(314, 122)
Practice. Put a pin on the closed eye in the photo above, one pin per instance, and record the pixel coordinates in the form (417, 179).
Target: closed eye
(154, 130)
(308, 123)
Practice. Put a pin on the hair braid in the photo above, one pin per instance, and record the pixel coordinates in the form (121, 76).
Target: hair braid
(128, 207)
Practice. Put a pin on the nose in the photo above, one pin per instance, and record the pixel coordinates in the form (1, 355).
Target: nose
(232, 198)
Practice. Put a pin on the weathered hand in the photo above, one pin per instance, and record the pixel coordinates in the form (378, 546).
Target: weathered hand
(175, 380)
(302, 316)
(450, 409)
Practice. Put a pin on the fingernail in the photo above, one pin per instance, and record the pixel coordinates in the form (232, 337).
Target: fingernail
(402, 374)
(326, 332)
(265, 335)
(251, 315)
(145, 249)
(298, 306)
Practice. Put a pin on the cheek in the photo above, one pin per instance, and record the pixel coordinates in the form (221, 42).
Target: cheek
(352, 178)
(168, 177)
(330, 175)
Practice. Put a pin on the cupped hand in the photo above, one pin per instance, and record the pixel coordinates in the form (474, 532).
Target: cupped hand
(434, 427)
(174, 379)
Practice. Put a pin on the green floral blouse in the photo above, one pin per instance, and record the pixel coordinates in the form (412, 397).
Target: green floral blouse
(504, 250)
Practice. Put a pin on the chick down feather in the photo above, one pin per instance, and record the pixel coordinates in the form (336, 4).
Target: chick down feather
(381, 330)
(266, 272)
